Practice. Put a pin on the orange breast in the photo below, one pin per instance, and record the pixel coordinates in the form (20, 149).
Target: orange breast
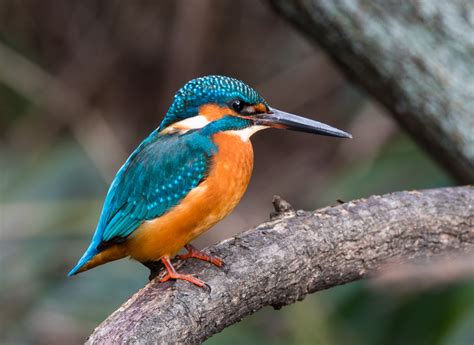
(203, 207)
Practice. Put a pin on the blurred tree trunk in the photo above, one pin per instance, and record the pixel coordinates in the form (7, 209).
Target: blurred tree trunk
(415, 57)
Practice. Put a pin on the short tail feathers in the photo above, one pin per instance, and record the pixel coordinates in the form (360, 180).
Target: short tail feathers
(92, 257)
(88, 255)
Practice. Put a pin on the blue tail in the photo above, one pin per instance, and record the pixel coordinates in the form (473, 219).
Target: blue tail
(89, 254)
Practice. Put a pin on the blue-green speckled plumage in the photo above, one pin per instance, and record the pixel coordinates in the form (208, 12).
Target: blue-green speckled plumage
(166, 167)
(210, 89)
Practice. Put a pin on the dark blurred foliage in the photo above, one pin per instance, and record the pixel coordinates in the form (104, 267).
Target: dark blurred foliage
(82, 82)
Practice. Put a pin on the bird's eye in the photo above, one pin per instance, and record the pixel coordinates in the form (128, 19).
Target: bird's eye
(237, 105)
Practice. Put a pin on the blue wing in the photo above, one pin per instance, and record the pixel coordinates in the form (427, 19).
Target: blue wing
(155, 178)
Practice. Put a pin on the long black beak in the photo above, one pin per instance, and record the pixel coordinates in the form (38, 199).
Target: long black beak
(279, 119)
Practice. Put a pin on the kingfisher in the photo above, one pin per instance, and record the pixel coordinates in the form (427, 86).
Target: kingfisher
(187, 175)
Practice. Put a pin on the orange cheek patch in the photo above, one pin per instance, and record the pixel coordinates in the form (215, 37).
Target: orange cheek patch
(214, 112)
(260, 108)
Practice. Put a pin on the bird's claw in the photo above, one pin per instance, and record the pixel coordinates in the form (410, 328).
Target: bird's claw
(188, 277)
(196, 254)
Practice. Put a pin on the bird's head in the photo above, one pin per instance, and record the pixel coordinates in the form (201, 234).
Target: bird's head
(232, 106)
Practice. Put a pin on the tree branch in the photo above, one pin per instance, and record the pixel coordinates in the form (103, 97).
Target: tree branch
(415, 57)
(296, 253)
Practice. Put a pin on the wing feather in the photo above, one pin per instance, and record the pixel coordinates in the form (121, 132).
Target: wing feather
(156, 177)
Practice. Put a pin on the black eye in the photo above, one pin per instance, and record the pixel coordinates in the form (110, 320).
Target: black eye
(237, 105)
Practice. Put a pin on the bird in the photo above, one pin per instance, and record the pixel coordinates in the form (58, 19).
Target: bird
(187, 175)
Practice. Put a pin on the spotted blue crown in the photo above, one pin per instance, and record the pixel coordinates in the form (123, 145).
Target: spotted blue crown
(214, 89)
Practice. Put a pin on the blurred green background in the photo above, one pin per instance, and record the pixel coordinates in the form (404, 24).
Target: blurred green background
(82, 82)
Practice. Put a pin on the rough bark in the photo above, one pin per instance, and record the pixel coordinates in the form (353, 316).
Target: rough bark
(415, 57)
(292, 255)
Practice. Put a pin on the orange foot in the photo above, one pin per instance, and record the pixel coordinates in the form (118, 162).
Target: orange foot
(196, 254)
(172, 274)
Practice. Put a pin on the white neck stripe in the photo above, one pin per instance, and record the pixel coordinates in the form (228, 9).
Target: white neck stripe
(195, 122)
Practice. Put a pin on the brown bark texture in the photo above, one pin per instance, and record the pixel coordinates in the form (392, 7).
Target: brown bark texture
(415, 57)
(294, 254)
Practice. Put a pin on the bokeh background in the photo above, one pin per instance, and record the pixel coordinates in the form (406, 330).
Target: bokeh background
(82, 82)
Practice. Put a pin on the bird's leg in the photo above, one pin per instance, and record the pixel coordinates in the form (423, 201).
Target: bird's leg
(196, 254)
(172, 274)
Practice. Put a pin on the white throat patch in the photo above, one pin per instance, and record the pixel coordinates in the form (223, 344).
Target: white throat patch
(200, 121)
(246, 133)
